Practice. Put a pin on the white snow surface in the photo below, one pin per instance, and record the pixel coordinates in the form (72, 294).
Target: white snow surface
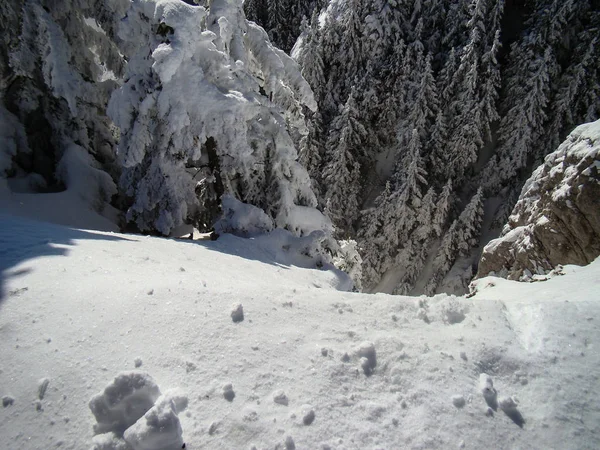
(114, 317)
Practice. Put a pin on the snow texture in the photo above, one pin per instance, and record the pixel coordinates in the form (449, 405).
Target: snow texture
(61, 320)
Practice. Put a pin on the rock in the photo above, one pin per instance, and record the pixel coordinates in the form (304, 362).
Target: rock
(7, 400)
(556, 220)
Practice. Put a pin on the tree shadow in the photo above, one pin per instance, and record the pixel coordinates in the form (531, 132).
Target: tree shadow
(24, 239)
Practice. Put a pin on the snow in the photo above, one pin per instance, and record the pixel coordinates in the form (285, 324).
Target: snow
(513, 366)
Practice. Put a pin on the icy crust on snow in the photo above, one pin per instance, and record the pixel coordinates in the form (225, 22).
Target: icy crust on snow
(205, 84)
(557, 217)
(308, 367)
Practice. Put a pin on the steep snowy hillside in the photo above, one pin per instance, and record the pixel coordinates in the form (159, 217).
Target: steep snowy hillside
(308, 367)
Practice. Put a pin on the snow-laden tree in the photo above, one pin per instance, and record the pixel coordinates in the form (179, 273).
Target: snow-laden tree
(425, 105)
(443, 208)
(533, 69)
(522, 125)
(470, 109)
(311, 59)
(312, 152)
(489, 90)
(341, 174)
(470, 223)
(461, 237)
(372, 241)
(385, 27)
(58, 66)
(444, 259)
(397, 211)
(577, 98)
(281, 19)
(191, 114)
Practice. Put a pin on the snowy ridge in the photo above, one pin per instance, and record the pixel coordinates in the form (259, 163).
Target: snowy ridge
(307, 367)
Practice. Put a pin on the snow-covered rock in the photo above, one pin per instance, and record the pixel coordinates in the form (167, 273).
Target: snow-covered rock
(557, 218)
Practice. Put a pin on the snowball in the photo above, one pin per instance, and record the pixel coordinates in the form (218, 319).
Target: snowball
(123, 402)
(158, 429)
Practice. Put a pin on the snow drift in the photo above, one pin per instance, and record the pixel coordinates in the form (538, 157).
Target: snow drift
(109, 317)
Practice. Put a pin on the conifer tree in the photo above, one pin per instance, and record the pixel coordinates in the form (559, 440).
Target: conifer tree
(470, 223)
(341, 175)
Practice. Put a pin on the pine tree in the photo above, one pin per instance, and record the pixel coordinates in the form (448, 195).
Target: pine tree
(489, 91)
(444, 206)
(444, 259)
(167, 138)
(425, 105)
(425, 215)
(312, 151)
(311, 60)
(470, 223)
(522, 125)
(532, 71)
(341, 175)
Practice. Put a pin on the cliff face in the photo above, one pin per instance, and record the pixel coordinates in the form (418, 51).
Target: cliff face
(557, 218)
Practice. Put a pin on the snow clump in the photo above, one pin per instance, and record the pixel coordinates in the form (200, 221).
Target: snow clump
(123, 402)
(132, 414)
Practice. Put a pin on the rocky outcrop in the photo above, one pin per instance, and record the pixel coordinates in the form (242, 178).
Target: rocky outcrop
(557, 218)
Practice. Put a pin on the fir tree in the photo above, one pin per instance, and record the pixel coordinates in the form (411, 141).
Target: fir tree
(341, 175)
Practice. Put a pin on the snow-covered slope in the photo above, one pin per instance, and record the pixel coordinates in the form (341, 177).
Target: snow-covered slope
(77, 308)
